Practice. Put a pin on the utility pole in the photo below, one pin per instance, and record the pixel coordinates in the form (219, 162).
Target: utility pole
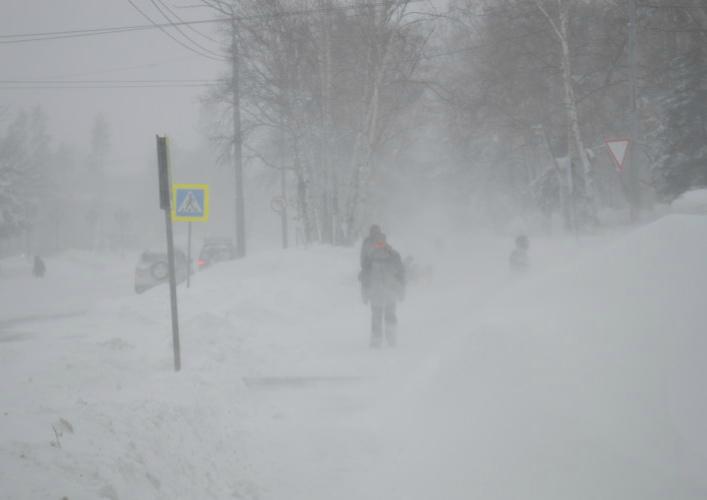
(633, 166)
(237, 142)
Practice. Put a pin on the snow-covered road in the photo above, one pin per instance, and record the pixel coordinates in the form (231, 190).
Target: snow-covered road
(561, 384)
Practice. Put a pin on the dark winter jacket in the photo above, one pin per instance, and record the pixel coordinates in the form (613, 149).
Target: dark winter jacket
(38, 268)
(382, 274)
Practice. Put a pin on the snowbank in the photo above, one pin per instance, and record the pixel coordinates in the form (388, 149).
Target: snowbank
(74, 283)
(89, 405)
(691, 202)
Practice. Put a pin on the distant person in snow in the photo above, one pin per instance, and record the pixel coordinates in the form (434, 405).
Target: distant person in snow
(519, 256)
(382, 284)
(38, 268)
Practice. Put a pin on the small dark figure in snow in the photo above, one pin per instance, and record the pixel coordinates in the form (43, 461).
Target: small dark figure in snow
(38, 268)
(519, 256)
(382, 284)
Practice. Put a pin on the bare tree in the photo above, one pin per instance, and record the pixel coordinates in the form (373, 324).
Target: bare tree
(229, 10)
(325, 84)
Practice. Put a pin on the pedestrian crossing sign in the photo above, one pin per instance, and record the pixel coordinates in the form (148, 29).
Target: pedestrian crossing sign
(191, 202)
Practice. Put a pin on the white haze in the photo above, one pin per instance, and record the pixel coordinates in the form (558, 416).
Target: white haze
(580, 379)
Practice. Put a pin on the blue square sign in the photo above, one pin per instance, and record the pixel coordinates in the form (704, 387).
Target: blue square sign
(191, 202)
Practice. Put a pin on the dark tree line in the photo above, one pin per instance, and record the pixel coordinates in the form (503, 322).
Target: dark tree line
(52, 196)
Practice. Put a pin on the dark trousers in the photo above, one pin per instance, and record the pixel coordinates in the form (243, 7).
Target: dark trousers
(379, 314)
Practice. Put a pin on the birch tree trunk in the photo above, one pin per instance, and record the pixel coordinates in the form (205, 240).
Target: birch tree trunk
(368, 136)
(561, 31)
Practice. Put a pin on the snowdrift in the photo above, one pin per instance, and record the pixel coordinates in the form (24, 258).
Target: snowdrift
(89, 405)
(691, 202)
(586, 382)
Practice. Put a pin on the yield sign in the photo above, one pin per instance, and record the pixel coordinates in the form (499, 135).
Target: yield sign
(618, 149)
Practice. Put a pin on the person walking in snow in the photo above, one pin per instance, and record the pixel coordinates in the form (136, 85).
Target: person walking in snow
(39, 269)
(518, 259)
(382, 284)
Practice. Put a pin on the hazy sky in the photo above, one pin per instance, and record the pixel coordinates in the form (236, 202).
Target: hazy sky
(135, 114)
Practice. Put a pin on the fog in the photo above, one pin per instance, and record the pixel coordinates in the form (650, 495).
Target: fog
(447, 249)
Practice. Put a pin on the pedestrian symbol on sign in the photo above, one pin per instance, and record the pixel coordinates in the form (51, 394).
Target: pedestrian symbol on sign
(190, 205)
(191, 202)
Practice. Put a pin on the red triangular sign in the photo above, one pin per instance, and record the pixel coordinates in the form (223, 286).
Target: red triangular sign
(618, 149)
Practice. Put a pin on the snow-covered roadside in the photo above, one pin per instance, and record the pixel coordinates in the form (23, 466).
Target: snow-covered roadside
(91, 409)
(90, 406)
(75, 282)
(585, 382)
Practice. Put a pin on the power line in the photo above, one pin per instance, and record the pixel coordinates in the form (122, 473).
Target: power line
(164, 30)
(179, 19)
(69, 82)
(12, 39)
(57, 35)
(210, 82)
(112, 87)
(181, 31)
(89, 31)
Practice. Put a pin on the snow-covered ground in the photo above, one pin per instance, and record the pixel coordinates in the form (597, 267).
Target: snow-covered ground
(578, 380)
(584, 382)
(691, 202)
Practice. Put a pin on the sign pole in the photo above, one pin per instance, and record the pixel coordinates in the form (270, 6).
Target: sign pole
(166, 205)
(188, 253)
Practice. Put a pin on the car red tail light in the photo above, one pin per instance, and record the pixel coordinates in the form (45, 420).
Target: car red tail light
(200, 262)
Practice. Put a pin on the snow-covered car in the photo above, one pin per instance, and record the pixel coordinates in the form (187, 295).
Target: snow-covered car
(153, 269)
(215, 250)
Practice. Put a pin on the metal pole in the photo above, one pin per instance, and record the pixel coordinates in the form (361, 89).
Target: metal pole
(237, 143)
(188, 254)
(173, 293)
(633, 174)
(166, 205)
